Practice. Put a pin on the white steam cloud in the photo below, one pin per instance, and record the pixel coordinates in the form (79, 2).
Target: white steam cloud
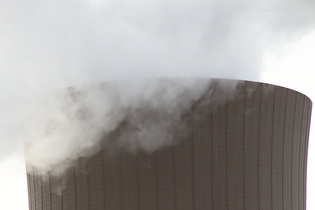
(48, 45)
(148, 114)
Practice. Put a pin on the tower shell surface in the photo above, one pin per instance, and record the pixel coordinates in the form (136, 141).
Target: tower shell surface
(249, 153)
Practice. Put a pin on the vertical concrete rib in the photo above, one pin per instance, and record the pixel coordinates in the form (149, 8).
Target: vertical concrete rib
(103, 173)
(211, 160)
(258, 148)
(41, 192)
(50, 192)
(292, 150)
(244, 131)
(156, 181)
(34, 194)
(308, 114)
(174, 177)
(192, 161)
(272, 147)
(299, 162)
(226, 157)
(75, 188)
(283, 142)
(88, 185)
(121, 199)
(29, 190)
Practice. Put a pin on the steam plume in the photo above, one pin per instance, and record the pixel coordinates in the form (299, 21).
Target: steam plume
(48, 45)
(148, 114)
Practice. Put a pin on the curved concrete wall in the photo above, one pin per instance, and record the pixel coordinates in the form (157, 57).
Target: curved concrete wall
(247, 154)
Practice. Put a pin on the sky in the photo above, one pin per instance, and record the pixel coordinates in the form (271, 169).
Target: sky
(49, 45)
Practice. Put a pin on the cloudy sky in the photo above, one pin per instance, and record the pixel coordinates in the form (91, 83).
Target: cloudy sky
(47, 45)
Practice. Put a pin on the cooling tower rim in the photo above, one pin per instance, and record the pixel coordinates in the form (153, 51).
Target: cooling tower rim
(280, 86)
(187, 78)
(261, 83)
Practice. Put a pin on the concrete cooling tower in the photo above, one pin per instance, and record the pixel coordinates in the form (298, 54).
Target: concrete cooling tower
(249, 153)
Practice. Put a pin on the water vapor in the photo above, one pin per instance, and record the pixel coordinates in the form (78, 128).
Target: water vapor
(49, 45)
(143, 115)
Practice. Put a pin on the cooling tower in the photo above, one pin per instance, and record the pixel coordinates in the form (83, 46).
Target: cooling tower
(249, 153)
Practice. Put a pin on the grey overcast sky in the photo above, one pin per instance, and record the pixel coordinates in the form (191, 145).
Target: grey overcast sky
(47, 45)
